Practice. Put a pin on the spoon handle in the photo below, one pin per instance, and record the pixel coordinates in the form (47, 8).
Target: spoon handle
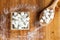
(53, 5)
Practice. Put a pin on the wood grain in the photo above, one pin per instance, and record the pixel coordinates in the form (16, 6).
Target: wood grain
(49, 32)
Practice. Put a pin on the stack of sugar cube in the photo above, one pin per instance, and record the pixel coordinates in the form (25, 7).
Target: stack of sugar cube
(20, 20)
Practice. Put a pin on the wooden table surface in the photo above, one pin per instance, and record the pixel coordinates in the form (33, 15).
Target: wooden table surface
(49, 32)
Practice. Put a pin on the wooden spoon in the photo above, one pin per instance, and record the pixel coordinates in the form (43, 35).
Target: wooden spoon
(47, 14)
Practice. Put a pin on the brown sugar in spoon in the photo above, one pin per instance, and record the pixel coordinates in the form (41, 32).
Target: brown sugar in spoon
(47, 14)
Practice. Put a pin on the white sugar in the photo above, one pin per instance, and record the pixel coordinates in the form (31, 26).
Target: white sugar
(47, 21)
(22, 13)
(51, 11)
(15, 13)
(41, 20)
(43, 17)
(48, 9)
